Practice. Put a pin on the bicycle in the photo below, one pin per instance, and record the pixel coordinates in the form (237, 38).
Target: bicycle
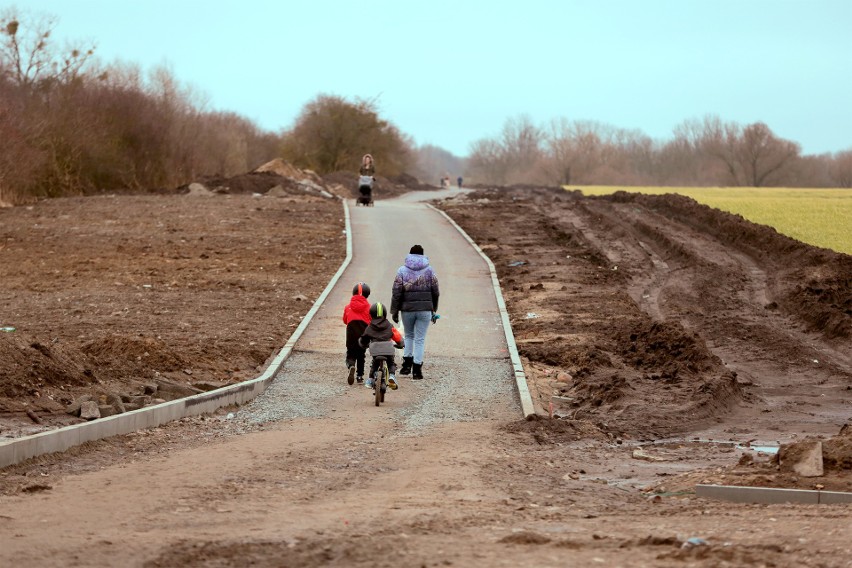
(381, 352)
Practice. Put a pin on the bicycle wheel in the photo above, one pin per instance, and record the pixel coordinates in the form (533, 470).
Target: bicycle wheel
(377, 385)
(385, 375)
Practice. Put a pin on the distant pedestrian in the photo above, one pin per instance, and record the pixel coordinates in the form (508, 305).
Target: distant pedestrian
(367, 167)
(365, 180)
(460, 180)
(415, 294)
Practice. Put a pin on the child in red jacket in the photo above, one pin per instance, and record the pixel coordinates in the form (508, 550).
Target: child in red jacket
(356, 316)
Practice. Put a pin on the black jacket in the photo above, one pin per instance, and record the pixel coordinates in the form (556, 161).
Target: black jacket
(415, 287)
(380, 329)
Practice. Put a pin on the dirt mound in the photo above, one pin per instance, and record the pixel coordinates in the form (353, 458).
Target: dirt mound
(666, 351)
(252, 182)
(288, 170)
(30, 366)
(555, 431)
(411, 183)
(837, 450)
(307, 553)
(148, 352)
(816, 284)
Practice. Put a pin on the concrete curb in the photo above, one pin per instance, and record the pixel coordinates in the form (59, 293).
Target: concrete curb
(15, 451)
(771, 495)
(527, 406)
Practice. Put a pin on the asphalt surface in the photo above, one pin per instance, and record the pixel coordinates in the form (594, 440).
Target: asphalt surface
(382, 236)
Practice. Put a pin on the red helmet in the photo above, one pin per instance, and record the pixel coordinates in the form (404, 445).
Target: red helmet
(361, 289)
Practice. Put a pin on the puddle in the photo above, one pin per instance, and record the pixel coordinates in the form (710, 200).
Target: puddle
(764, 449)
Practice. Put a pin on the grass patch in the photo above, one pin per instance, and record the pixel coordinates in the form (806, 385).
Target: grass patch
(820, 217)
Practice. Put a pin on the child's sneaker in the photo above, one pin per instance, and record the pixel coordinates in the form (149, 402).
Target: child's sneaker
(368, 383)
(392, 383)
(351, 378)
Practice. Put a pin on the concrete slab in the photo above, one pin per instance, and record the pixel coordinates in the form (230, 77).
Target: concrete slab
(771, 495)
(764, 495)
(834, 497)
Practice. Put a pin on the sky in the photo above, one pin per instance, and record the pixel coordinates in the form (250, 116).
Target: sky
(449, 73)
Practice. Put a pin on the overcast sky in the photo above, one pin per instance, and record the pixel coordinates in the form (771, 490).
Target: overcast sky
(451, 72)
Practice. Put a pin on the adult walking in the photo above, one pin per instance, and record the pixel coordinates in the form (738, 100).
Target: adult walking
(367, 176)
(415, 294)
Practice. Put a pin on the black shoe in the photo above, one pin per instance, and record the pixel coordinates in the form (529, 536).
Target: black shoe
(417, 371)
(351, 378)
(407, 362)
(360, 379)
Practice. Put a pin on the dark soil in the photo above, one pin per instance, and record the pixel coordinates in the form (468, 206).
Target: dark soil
(664, 316)
(108, 293)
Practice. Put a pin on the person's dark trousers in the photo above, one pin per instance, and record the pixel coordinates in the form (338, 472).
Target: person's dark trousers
(354, 352)
(391, 365)
(356, 357)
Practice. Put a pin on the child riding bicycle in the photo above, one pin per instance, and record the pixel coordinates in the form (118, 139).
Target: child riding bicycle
(381, 330)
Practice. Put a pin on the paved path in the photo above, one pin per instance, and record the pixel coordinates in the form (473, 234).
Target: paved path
(382, 236)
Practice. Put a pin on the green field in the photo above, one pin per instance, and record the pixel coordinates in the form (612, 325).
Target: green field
(821, 217)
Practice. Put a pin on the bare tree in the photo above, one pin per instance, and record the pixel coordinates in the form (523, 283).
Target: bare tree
(762, 155)
(27, 52)
(487, 162)
(331, 134)
(841, 169)
(521, 142)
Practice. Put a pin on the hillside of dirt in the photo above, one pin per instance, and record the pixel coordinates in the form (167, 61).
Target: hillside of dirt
(655, 316)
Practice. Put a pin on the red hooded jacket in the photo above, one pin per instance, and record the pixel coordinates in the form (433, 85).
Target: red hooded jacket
(357, 310)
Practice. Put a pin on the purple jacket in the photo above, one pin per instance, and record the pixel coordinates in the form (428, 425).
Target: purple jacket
(415, 288)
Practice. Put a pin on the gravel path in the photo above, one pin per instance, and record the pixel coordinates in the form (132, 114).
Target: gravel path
(310, 385)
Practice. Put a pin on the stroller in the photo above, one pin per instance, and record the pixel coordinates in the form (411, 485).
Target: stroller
(365, 191)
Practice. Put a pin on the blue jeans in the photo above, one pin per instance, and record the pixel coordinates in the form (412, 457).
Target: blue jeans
(416, 325)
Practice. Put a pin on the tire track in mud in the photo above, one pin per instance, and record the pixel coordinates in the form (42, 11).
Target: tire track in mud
(738, 297)
(718, 279)
(572, 312)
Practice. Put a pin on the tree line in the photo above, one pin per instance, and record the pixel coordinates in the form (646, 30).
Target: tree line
(702, 152)
(71, 125)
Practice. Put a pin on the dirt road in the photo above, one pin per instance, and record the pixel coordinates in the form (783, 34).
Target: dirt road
(313, 474)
